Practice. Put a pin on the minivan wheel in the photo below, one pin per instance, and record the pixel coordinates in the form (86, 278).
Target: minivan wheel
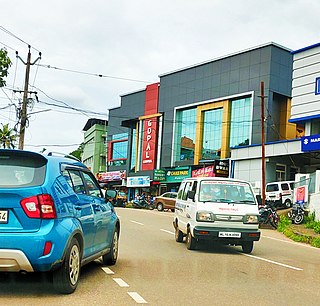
(111, 257)
(191, 241)
(66, 278)
(247, 247)
(287, 203)
(160, 207)
(178, 235)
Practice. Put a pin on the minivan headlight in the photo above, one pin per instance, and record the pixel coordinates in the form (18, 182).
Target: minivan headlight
(250, 219)
(205, 216)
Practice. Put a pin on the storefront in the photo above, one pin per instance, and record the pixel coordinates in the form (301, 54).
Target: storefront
(137, 185)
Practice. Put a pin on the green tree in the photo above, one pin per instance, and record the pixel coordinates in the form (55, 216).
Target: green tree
(5, 63)
(78, 153)
(8, 136)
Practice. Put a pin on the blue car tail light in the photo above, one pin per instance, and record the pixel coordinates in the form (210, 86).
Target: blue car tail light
(40, 206)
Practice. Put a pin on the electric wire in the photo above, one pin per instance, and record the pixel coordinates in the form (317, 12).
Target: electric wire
(94, 74)
(16, 37)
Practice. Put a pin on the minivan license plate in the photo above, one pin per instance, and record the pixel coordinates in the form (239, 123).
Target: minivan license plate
(3, 216)
(229, 235)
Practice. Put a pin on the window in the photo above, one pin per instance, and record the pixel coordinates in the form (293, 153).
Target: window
(187, 188)
(280, 172)
(119, 149)
(212, 134)
(21, 170)
(240, 125)
(285, 186)
(77, 182)
(272, 187)
(92, 187)
(186, 134)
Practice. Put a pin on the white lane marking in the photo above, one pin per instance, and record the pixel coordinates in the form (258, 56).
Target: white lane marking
(273, 262)
(107, 270)
(136, 222)
(138, 298)
(120, 282)
(293, 242)
(169, 232)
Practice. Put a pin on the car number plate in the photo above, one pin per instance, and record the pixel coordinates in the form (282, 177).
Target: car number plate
(3, 216)
(229, 235)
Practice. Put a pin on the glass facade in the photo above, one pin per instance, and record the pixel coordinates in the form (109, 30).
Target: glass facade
(120, 147)
(212, 134)
(186, 133)
(215, 141)
(240, 125)
(133, 149)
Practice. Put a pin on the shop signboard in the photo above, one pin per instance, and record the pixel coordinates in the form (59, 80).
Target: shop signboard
(138, 181)
(204, 172)
(310, 143)
(159, 175)
(149, 143)
(111, 176)
(176, 175)
(221, 167)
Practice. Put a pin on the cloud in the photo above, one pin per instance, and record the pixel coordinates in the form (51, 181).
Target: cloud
(137, 40)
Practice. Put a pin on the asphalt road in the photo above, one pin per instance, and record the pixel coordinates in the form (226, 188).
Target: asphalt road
(154, 269)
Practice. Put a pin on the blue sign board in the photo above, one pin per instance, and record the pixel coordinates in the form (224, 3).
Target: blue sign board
(317, 86)
(310, 143)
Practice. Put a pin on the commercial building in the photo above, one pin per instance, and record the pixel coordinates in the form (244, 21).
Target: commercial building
(305, 112)
(94, 148)
(206, 120)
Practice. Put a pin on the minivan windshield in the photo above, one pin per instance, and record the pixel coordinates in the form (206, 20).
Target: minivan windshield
(226, 192)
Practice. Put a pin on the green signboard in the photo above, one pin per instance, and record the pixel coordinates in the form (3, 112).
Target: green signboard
(159, 175)
(176, 175)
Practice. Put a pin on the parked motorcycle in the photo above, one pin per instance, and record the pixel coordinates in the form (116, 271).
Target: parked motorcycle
(142, 203)
(268, 215)
(296, 214)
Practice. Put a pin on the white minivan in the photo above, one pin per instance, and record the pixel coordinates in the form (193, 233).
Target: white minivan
(222, 210)
(280, 193)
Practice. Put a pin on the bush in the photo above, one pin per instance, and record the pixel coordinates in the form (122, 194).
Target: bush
(284, 227)
(284, 223)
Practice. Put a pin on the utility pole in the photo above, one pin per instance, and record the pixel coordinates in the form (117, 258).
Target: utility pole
(263, 158)
(24, 115)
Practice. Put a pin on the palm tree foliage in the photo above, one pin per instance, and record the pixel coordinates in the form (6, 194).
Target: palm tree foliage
(8, 136)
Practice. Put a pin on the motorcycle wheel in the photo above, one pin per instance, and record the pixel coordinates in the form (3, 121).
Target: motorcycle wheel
(298, 219)
(274, 222)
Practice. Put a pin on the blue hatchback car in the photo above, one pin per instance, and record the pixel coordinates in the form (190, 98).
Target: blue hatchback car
(53, 217)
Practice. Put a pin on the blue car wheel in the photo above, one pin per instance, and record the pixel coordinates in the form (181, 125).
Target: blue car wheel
(66, 278)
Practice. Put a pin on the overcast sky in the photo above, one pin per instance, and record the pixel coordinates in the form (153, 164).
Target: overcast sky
(130, 43)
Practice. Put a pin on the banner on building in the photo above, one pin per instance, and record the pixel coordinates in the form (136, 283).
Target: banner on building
(177, 174)
(203, 172)
(111, 176)
(138, 181)
(310, 143)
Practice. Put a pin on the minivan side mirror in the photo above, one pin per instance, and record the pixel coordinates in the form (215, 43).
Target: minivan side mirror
(191, 195)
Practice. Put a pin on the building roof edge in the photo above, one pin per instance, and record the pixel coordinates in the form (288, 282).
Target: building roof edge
(225, 56)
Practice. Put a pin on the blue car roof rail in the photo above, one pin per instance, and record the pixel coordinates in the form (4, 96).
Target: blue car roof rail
(50, 153)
